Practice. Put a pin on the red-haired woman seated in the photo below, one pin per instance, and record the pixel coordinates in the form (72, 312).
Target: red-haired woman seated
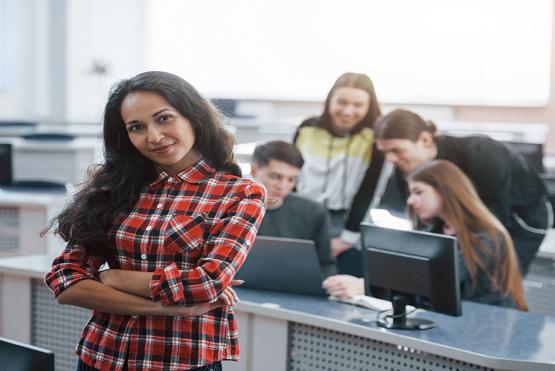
(443, 200)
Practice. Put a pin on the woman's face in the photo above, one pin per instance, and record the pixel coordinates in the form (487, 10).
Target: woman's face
(424, 200)
(159, 131)
(347, 107)
(406, 154)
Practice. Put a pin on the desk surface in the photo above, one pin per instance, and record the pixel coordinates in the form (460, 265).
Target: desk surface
(486, 335)
(28, 197)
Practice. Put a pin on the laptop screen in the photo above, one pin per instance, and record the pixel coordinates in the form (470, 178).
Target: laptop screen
(283, 264)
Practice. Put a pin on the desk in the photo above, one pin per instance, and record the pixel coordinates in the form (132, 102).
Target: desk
(57, 161)
(23, 215)
(292, 332)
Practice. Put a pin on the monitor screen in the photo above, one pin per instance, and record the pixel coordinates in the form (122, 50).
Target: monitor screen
(411, 267)
(5, 164)
(16, 356)
(532, 152)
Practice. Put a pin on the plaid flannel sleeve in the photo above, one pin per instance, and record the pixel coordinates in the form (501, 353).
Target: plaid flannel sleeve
(227, 247)
(69, 268)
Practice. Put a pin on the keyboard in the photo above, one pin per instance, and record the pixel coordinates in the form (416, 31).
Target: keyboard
(368, 302)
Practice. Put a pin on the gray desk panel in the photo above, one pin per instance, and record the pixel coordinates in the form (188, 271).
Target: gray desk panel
(486, 335)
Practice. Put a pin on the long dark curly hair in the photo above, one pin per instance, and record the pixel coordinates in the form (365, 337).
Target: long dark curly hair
(113, 187)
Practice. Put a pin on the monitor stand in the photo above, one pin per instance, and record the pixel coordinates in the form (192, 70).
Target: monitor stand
(399, 320)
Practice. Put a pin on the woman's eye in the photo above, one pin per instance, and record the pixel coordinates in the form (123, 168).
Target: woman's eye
(134, 127)
(164, 118)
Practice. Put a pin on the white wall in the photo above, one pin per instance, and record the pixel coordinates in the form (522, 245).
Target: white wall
(493, 52)
(25, 94)
(113, 33)
(109, 33)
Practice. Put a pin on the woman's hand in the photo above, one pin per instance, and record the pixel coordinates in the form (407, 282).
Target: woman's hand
(344, 286)
(229, 298)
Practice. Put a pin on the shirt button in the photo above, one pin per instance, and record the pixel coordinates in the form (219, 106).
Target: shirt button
(248, 242)
(159, 206)
(143, 256)
(148, 228)
(134, 316)
(170, 179)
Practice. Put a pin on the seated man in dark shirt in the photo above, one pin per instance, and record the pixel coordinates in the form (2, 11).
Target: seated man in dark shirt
(277, 165)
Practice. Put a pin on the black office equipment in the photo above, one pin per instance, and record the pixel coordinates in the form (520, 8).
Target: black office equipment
(6, 172)
(16, 356)
(49, 136)
(411, 267)
(7, 182)
(34, 186)
(228, 107)
(532, 152)
(283, 264)
(19, 124)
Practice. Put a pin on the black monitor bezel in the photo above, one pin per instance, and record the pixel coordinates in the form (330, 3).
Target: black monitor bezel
(444, 296)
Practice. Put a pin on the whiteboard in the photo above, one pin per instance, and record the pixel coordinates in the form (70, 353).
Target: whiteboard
(456, 52)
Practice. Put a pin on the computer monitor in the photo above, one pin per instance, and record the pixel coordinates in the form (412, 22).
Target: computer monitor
(532, 152)
(8, 183)
(411, 267)
(6, 173)
(229, 107)
(16, 356)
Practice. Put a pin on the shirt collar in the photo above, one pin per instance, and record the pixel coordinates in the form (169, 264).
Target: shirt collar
(192, 174)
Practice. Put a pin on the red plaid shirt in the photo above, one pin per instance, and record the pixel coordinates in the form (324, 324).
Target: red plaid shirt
(193, 230)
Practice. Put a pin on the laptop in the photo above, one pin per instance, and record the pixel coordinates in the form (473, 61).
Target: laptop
(283, 264)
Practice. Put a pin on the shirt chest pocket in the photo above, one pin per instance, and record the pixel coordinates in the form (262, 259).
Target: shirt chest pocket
(184, 238)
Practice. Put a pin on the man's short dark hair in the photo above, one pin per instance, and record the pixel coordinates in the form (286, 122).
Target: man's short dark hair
(278, 150)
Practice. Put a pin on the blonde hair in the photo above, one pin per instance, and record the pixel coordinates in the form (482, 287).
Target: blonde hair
(467, 215)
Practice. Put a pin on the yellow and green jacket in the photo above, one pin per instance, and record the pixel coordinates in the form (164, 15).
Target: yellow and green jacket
(339, 172)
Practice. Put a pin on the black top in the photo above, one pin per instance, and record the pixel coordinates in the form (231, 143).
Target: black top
(481, 289)
(503, 178)
(505, 181)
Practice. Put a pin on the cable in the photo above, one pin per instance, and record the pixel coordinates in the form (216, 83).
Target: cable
(392, 316)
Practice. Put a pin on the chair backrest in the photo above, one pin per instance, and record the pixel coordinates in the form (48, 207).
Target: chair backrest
(16, 356)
